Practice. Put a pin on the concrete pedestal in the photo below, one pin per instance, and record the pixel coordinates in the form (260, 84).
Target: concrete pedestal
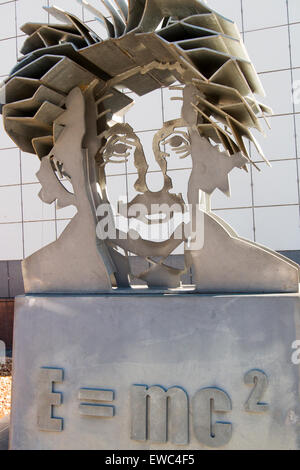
(89, 372)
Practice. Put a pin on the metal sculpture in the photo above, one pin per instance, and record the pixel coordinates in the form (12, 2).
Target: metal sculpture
(60, 103)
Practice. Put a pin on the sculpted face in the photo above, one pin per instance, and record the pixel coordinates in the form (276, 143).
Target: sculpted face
(159, 172)
(163, 178)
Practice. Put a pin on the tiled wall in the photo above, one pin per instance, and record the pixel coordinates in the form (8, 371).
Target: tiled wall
(264, 205)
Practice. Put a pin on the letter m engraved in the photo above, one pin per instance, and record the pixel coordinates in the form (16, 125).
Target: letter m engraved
(159, 415)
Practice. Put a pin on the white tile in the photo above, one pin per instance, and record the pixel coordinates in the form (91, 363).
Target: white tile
(294, 10)
(30, 165)
(146, 113)
(70, 6)
(8, 54)
(119, 168)
(296, 89)
(297, 117)
(33, 207)
(5, 140)
(279, 141)
(11, 246)
(99, 6)
(7, 20)
(241, 196)
(179, 250)
(276, 185)
(61, 226)
(146, 139)
(280, 101)
(174, 162)
(98, 28)
(172, 108)
(180, 181)
(66, 212)
(10, 205)
(154, 181)
(31, 11)
(230, 9)
(241, 220)
(295, 40)
(37, 235)
(269, 49)
(132, 179)
(261, 14)
(10, 166)
(278, 227)
(20, 41)
(131, 191)
(116, 187)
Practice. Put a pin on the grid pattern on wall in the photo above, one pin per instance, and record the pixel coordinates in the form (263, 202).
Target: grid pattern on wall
(264, 206)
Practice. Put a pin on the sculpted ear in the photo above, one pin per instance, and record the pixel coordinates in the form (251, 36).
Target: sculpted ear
(189, 113)
(52, 189)
(75, 111)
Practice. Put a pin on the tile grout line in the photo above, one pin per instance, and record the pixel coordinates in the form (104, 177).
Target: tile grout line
(22, 204)
(294, 108)
(267, 206)
(31, 183)
(284, 25)
(16, 30)
(251, 169)
(19, 151)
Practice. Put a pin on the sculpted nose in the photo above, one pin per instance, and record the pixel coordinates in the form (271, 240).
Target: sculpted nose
(154, 175)
(155, 179)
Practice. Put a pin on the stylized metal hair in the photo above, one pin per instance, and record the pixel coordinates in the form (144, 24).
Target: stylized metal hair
(151, 44)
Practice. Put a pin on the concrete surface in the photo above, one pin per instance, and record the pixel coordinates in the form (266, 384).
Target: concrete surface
(4, 431)
(135, 347)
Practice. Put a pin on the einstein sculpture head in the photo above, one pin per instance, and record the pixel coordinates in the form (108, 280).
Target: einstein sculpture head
(66, 101)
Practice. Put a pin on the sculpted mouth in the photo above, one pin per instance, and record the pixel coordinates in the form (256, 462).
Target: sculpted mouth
(153, 207)
(156, 218)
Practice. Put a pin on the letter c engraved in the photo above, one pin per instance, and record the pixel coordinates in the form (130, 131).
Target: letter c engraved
(206, 402)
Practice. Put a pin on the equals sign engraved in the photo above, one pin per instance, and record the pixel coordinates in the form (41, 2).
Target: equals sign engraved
(98, 410)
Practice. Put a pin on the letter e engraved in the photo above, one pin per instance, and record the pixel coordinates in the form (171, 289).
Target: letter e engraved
(159, 415)
(260, 381)
(204, 403)
(47, 399)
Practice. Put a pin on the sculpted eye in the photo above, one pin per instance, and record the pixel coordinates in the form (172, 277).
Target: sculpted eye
(117, 149)
(177, 141)
(120, 149)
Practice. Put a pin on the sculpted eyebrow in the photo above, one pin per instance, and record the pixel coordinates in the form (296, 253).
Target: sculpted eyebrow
(121, 128)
